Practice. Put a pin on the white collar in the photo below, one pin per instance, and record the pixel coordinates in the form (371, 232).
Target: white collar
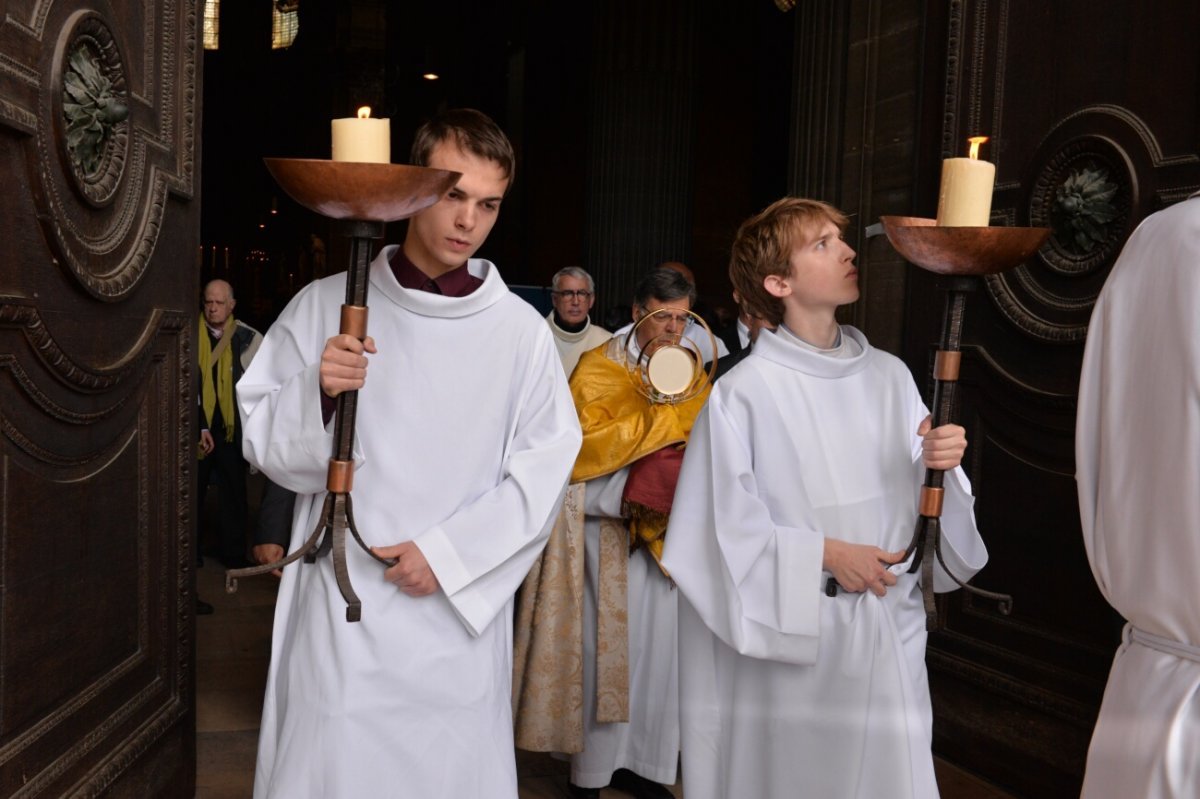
(567, 335)
(777, 348)
(427, 303)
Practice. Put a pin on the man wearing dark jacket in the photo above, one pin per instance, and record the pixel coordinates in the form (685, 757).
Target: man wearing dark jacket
(224, 347)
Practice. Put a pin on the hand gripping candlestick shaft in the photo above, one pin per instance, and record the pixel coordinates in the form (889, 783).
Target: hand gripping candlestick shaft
(362, 197)
(927, 537)
(337, 514)
(961, 254)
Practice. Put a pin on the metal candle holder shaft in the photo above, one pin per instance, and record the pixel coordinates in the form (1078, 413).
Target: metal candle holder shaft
(961, 254)
(362, 197)
(926, 542)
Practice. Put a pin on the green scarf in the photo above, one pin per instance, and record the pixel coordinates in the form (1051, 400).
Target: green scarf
(222, 393)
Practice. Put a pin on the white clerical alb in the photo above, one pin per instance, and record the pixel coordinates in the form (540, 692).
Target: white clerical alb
(466, 434)
(1137, 454)
(784, 690)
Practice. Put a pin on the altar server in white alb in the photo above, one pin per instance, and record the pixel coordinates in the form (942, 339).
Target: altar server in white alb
(1137, 453)
(465, 436)
(800, 481)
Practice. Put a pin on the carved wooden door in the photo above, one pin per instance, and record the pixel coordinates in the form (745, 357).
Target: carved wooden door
(99, 213)
(1095, 123)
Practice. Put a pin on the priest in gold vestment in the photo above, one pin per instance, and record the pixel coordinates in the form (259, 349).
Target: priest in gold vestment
(595, 666)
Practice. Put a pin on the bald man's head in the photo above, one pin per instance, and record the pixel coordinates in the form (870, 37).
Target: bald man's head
(218, 303)
(681, 268)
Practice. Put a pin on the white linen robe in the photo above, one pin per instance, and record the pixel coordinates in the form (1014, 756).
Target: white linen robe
(1137, 453)
(785, 691)
(649, 743)
(466, 435)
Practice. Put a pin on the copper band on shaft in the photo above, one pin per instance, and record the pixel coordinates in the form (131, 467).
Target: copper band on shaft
(931, 502)
(340, 477)
(354, 321)
(945, 366)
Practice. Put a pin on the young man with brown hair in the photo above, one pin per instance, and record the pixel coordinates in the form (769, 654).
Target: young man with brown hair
(801, 632)
(466, 434)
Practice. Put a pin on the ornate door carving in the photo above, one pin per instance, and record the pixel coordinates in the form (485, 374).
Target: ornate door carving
(99, 105)
(1091, 132)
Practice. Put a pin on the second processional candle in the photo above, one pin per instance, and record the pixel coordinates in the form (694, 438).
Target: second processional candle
(965, 198)
(363, 139)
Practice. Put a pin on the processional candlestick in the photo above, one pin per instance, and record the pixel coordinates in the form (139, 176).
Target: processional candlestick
(362, 197)
(961, 254)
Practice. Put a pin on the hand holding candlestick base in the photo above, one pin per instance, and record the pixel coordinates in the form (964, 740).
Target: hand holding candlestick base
(962, 254)
(363, 196)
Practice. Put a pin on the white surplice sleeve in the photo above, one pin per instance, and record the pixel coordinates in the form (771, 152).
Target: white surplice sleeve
(279, 398)
(483, 551)
(754, 583)
(962, 546)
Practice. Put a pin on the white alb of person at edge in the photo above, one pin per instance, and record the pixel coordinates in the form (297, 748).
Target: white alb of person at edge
(1137, 454)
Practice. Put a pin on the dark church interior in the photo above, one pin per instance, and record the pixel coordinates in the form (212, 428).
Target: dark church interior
(645, 131)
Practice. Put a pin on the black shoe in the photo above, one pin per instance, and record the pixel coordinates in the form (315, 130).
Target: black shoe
(582, 793)
(203, 608)
(638, 786)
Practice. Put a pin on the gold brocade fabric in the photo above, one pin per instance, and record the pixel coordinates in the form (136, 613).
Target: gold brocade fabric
(612, 625)
(647, 528)
(548, 640)
(619, 424)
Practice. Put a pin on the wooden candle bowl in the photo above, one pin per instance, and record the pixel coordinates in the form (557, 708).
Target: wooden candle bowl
(364, 192)
(962, 250)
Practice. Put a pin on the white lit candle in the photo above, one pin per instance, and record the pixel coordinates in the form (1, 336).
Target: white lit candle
(362, 139)
(965, 199)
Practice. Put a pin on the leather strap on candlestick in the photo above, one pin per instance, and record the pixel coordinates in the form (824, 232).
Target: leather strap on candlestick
(931, 501)
(945, 365)
(340, 477)
(354, 321)
(929, 546)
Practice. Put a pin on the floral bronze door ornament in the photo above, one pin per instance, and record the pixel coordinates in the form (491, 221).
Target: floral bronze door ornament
(95, 108)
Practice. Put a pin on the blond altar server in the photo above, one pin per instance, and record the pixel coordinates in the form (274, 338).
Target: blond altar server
(465, 437)
(801, 633)
(1137, 452)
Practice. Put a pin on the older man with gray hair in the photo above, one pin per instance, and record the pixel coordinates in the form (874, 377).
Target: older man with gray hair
(573, 292)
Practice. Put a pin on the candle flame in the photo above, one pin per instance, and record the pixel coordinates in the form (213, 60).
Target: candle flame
(975, 142)
(364, 112)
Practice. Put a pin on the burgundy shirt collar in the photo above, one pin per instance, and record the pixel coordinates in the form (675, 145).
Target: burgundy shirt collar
(457, 282)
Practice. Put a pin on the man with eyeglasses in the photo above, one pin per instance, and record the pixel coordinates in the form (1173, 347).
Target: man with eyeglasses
(573, 292)
(595, 638)
(692, 332)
